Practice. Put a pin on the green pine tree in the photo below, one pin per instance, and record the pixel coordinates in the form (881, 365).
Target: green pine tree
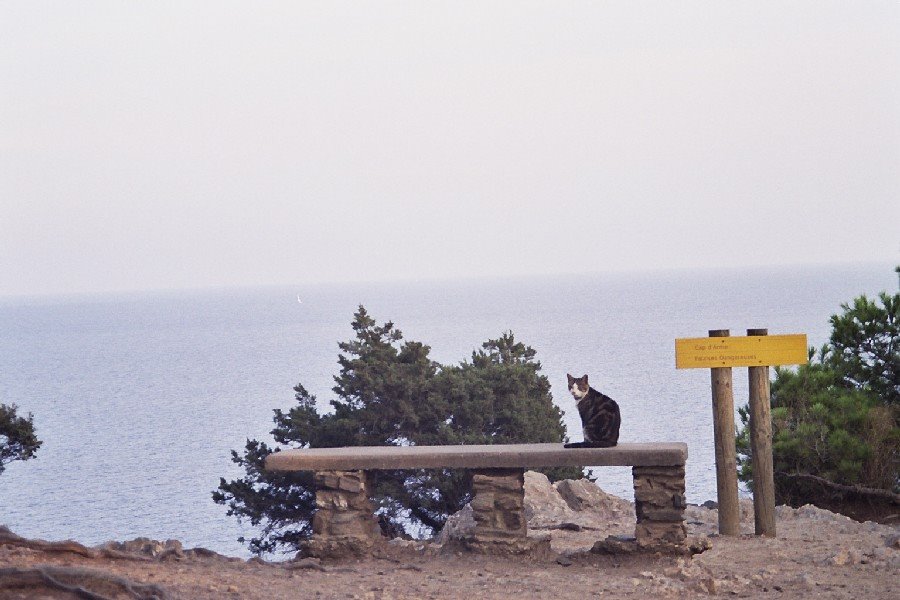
(17, 437)
(389, 392)
(865, 346)
(836, 420)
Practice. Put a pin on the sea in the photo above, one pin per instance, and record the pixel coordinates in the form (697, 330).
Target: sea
(140, 398)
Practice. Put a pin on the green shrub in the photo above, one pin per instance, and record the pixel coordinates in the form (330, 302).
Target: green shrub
(835, 420)
(389, 392)
(17, 438)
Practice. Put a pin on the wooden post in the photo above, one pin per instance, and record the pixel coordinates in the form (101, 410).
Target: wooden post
(761, 448)
(726, 455)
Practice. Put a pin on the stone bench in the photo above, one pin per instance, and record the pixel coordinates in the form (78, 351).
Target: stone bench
(344, 522)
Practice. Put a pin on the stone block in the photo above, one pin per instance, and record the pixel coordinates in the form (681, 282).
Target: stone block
(360, 503)
(514, 521)
(354, 485)
(656, 513)
(330, 500)
(645, 487)
(327, 480)
(347, 481)
(508, 502)
(511, 480)
(483, 518)
(339, 546)
(319, 524)
(650, 533)
(483, 502)
(659, 472)
(666, 498)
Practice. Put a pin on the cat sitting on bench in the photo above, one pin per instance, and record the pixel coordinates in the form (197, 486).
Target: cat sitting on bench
(600, 418)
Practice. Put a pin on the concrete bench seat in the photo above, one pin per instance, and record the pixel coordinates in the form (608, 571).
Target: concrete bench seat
(477, 457)
(344, 523)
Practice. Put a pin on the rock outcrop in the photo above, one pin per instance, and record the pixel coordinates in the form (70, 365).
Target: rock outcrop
(564, 506)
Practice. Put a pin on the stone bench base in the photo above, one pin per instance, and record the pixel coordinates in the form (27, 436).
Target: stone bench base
(498, 506)
(659, 505)
(344, 523)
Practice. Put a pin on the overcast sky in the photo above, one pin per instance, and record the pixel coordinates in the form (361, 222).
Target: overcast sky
(148, 145)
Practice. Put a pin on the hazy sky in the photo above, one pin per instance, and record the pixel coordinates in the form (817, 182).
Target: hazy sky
(150, 145)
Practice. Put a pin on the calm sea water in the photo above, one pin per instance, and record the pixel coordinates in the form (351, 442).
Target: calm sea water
(140, 398)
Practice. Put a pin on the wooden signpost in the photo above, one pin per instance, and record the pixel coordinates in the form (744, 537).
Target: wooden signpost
(719, 353)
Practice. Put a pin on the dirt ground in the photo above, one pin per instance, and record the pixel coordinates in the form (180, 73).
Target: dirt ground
(816, 554)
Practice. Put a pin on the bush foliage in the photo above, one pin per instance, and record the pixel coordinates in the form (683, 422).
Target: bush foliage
(389, 392)
(17, 437)
(865, 346)
(838, 417)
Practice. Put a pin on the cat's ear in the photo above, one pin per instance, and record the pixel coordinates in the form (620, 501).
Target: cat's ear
(571, 379)
(584, 379)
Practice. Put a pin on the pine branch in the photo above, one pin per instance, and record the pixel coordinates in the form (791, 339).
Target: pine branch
(850, 489)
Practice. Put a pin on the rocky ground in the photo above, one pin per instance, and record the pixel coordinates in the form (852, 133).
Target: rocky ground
(816, 553)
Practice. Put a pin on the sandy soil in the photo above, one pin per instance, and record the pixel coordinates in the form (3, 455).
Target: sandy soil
(816, 554)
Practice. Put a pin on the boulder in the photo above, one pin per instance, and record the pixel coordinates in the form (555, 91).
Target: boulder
(583, 495)
(460, 525)
(568, 506)
(544, 507)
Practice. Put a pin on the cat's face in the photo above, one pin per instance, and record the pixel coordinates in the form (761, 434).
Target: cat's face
(578, 386)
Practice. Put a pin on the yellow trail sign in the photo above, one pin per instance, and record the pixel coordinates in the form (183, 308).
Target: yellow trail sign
(750, 351)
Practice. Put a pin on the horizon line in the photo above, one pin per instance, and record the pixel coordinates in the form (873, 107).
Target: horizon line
(442, 279)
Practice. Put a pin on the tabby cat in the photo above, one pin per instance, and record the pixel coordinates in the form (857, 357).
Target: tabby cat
(600, 418)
